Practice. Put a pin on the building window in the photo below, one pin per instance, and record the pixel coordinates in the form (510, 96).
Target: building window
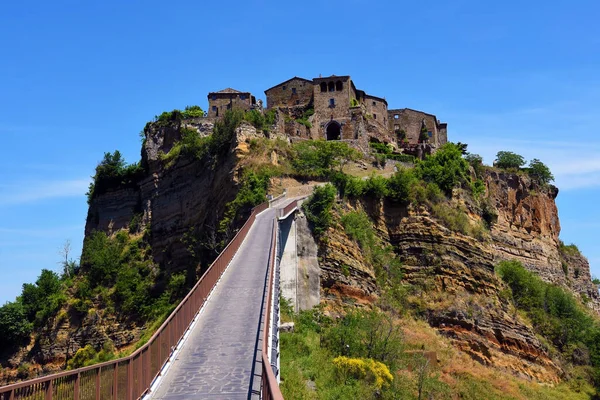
(396, 127)
(323, 87)
(331, 102)
(339, 86)
(229, 106)
(396, 116)
(293, 90)
(214, 108)
(374, 104)
(429, 134)
(374, 116)
(331, 86)
(213, 97)
(284, 87)
(297, 102)
(242, 97)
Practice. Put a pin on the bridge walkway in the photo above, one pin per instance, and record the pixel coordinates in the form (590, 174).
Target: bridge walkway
(216, 359)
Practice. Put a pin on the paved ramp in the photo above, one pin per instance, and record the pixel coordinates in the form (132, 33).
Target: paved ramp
(216, 360)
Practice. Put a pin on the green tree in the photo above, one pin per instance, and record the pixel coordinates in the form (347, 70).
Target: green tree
(39, 297)
(509, 160)
(14, 325)
(101, 258)
(540, 172)
(446, 168)
(318, 208)
(476, 162)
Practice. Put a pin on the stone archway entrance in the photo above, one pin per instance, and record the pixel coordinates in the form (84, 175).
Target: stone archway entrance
(334, 131)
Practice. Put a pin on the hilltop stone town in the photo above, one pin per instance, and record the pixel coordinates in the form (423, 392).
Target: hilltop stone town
(332, 108)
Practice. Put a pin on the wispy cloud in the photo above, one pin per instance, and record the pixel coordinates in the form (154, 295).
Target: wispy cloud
(30, 192)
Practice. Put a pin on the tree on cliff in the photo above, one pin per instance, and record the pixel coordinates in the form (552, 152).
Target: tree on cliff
(540, 172)
(509, 160)
(446, 168)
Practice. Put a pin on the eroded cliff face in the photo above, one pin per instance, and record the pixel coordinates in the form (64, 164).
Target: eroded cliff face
(176, 207)
(528, 230)
(181, 203)
(453, 273)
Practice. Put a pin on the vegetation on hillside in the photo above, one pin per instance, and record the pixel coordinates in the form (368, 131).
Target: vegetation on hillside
(557, 316)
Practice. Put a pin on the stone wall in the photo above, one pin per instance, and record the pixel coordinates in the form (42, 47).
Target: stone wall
(411, 121)
(296, 91)
(377, 109)
(218, 103)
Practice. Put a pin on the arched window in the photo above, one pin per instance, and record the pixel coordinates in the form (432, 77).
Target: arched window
(323, 87)
(331, 86)
(339, 86)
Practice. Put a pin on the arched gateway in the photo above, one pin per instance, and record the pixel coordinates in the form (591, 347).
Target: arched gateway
(333, 131)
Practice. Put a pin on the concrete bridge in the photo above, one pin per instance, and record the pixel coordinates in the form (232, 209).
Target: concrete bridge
(221, 342)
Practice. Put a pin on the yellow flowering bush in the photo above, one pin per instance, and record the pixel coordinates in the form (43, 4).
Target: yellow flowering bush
(375, 372)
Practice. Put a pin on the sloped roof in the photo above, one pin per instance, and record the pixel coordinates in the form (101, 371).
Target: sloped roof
(229, 90)
(284, 82)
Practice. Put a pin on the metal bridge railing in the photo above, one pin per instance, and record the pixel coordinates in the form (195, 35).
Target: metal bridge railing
(269, 386)
(130, 377)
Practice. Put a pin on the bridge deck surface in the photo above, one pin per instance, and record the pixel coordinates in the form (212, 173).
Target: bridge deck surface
(215, 361)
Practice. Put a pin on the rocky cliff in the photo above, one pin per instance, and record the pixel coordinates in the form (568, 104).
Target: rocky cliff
(452, 274)
(176, 205)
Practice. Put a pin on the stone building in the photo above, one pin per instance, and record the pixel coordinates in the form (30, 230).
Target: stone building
(332, 108)
(343, 112)
(226, 99)
(407, 124)
(293, 92)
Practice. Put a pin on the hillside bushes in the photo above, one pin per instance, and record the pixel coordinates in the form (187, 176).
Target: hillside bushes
(555, 314)
(320, 158)
(318, 209)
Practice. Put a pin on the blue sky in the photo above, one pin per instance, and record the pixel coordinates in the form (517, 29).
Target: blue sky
(81, 78)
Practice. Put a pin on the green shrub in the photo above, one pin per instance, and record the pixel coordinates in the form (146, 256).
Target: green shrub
(256, 118)
(318, 208)
(82, 357)
(192, 112)
(399, 186)
(376, 186)
(252, 191)
(509, 160)
(382, 148)
(359, 227)
(477, 188)
(446, 168)
(168, 117)
(319, 158)
(366, 334)
(454, 219)
(405, 158)
(570, 249)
